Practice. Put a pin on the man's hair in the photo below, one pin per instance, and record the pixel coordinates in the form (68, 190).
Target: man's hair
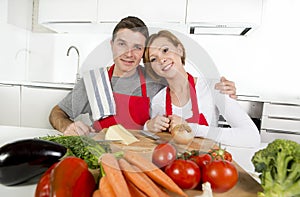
(133, 23)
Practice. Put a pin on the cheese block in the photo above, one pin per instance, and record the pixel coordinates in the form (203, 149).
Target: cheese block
(118, 132)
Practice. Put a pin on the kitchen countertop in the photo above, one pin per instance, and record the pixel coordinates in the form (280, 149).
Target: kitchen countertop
(241, 156)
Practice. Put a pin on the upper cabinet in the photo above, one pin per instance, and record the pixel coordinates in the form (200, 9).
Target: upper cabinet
(153, 11)
(15, 12)
(102, 15)
(50, 11)
(235, 17)
(230, 11)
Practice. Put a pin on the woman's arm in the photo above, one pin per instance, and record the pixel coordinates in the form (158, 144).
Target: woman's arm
(212, 103)
(243, 131)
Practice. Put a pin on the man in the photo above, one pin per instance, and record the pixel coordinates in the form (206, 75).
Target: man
(132, 87)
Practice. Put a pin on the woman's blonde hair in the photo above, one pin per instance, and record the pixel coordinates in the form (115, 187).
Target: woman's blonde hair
(170, 37)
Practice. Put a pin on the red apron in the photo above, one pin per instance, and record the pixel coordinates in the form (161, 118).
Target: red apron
(132, 111)
(197, 117)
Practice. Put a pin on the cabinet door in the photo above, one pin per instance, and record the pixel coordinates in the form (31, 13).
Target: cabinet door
(67, 11)
(148, 11)
(230, 11)
(37, 103)
(10, 105)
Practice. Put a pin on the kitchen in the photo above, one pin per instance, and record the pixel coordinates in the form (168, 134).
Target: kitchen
(39, 68)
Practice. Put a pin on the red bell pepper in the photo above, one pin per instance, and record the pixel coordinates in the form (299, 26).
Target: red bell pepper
(70, 177)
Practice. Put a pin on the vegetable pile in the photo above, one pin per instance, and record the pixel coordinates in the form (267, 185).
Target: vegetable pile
(191, 169)
(82, 147)
(133, 175)
(279, 165)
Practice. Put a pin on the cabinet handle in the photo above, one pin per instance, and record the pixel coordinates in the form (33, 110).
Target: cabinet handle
(281, 131)
(7, 85)
(283, 118)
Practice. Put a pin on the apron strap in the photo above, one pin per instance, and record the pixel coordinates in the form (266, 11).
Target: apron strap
(197, 117)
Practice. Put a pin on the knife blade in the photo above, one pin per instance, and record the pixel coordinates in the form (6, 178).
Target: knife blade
(149, 135)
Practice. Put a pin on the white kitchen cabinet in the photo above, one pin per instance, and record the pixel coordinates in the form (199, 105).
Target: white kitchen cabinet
(16, 12)
(149, 11)
(37, 103)
(10, 105)
(232, 11)
(280, 120)
(50, 11)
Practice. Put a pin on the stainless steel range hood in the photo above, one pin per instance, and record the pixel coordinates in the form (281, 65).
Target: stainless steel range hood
(221, 29)
(223, 17)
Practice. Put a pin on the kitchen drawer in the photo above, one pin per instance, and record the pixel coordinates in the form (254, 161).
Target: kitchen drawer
(37, 103)
(280, 110)
(281, 125)
(268, 136)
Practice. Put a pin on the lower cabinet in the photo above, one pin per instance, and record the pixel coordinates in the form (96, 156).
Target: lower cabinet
(280, 120)
(36, 104)
(10, 105)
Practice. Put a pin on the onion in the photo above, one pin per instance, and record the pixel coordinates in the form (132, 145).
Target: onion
(182, 134)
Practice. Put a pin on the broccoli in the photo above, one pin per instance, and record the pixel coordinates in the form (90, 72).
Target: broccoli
(279, 165)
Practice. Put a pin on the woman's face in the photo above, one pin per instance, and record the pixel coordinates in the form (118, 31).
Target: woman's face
(165, 58)
(127, 48)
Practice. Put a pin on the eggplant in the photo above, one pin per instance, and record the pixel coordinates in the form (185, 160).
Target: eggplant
(25, 159)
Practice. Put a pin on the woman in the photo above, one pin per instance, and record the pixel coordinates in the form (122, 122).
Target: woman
(189, 100)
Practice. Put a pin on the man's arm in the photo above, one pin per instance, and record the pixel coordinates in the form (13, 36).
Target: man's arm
(59, 119)
(61, 122)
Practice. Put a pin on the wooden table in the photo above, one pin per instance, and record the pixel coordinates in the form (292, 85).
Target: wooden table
(246, 186)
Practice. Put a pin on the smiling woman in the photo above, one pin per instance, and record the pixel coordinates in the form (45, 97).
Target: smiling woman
(190, 100)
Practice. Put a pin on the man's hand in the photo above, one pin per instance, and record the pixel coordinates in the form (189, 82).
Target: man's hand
(78, 128)
(226, 87)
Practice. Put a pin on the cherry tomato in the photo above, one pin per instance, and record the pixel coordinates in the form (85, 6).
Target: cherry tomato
(185, 173)
(222, 175)
(201, 160)
(163, 154)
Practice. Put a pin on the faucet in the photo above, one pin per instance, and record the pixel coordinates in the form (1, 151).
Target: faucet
(78, 61)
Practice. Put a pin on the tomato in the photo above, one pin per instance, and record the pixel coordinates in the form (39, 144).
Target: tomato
(222, 175)
(220, 154)
(185, 173)
(201, 159)
(163, 154)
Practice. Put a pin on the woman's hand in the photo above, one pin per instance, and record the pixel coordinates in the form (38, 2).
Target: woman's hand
(227, 87)
(176, 120)
(78, 128)
(158, 124)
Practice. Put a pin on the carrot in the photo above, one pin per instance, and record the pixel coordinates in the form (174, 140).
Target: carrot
(136, 178)
(114, 175)
(153, 172)
(134, 191)
(97, 193)
(105, 188)
(153, 185)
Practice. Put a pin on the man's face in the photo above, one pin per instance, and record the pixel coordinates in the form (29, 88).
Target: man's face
(127, 48)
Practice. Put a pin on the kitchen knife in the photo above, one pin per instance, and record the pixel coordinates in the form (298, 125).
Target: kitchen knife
(149, 134)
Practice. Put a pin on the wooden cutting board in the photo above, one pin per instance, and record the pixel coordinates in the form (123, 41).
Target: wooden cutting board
(246, 186)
